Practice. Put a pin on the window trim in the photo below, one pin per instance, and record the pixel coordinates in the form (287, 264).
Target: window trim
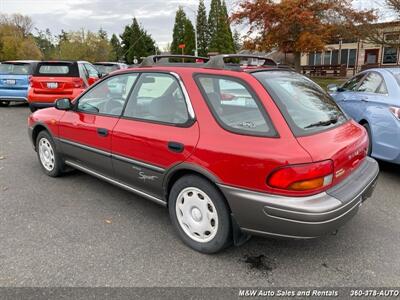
(273, 132)
(379, 86)
(288, 121)
(355, 90)
(76, 101)
(191, 114)
(390, 63)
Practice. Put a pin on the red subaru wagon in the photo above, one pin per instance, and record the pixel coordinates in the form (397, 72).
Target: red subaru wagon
(232, 152)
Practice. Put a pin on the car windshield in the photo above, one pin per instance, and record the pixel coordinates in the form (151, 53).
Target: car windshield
(306, 106)
(15, 69)
(105, 69)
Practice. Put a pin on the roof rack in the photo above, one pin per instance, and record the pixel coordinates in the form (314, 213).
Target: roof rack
(163, 59)
(218, 61)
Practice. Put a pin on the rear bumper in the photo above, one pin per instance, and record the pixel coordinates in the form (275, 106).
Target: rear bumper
(18, 95)
(302, 217)
(13, 99)
(41, 104)
(37, 99)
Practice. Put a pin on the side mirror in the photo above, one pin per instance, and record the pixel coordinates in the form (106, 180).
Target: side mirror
(101, 75)
(63, 104)
(332, 88)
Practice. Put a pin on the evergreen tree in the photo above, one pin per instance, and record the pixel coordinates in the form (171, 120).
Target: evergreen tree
(183, 33)
(202, 29)
(213, 25)
(44, 40)
(220, 34)
(137, 43)
(103, 34)
(227, 44)
(116, 50)
(237, 40)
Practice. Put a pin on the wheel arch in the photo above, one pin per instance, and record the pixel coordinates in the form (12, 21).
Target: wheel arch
(188, 169)
(37, 128)
(238, 236)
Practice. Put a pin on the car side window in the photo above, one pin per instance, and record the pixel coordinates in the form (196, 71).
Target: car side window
(158, 97)
(234, 105)
(109, 96)
(382, 88)
(92, 72)
(371, 83)
(351, 84)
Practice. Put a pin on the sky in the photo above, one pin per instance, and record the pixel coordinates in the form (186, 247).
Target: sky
(157, 16)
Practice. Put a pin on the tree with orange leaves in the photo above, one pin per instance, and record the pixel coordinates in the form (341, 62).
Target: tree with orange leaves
(299, 25)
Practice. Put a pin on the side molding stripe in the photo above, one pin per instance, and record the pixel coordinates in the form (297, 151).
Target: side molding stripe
(115, 182)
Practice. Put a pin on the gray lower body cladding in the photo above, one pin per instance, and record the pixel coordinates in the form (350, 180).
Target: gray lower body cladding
(302, 217)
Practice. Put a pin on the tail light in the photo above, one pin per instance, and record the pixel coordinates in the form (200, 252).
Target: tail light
(78, 83)
(305, 177)
(395, 111)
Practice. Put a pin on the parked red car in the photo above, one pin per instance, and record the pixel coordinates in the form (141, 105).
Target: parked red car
(231, 153)
(59, 79)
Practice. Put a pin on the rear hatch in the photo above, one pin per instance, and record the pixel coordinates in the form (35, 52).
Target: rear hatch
(56, 78)
(14, 75)
(316, 121)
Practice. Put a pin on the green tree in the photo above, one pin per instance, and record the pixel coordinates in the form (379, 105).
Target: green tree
(44, 40)
(136, 42)
(237, 40)
(83, 45)
(183, 33)
(102, 34)
(213, 25)
(220, 34)
(226, 38)
(116, 50)
(202, 29)
(16, 41)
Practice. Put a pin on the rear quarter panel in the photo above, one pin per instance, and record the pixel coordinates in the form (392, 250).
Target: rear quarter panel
(235, 159)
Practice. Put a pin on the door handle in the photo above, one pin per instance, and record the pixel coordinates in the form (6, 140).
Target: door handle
(175, 146)
(102, 131)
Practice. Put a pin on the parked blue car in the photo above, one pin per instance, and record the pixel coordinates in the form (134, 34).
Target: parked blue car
(372, 98)
(14, 80)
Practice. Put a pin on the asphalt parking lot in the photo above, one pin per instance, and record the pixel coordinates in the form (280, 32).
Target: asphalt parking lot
(79, 231)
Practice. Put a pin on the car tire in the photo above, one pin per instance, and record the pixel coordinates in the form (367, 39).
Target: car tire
(200, 215)
(49, 159)
(368, 129)
(4, 103)
(32, 108)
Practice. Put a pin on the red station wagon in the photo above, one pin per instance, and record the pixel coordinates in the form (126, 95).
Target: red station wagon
(231, 151)
(59, 79)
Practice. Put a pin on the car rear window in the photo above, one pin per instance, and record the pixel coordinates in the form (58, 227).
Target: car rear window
(57, 69)
(306, 107)
(106, 68)
(234, 105)
(15, 68)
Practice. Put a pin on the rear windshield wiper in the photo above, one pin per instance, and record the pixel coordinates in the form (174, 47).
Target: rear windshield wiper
(323, 123)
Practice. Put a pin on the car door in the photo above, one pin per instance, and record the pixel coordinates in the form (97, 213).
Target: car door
(156, 132)
(370, 91)
(347, 95)
(85, 131)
